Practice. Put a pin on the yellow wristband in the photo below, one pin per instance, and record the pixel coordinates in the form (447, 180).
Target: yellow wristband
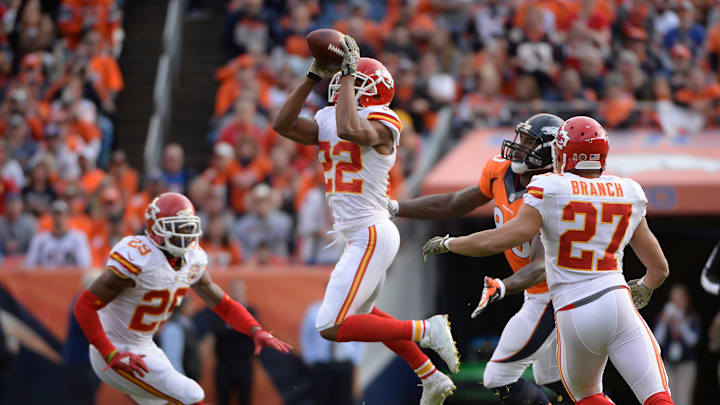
(110, 356)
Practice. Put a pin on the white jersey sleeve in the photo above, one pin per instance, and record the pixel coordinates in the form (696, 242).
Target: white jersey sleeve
(535, 192)
(128, 257)
(385, 116)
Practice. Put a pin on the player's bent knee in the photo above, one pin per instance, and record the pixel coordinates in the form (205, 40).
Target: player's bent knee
(660, 398)
(493, 376)
(194, 393)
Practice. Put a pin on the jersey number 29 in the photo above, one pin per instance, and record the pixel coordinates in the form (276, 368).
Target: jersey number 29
(586, 259)
(336, 183)
(165, 306)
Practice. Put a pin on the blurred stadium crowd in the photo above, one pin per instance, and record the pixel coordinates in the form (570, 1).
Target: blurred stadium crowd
(58, 82)
(630, 63)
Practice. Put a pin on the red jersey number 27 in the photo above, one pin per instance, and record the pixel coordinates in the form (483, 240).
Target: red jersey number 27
(586, 260)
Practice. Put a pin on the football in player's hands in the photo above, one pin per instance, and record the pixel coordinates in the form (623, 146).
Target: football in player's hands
(326, 47)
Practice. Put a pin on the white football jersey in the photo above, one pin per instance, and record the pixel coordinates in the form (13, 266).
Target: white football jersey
(586, 225)
(136, 314)
(356, 177)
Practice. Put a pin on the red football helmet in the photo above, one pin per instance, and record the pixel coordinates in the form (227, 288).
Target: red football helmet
(581, 143)
(374, 84)
(171, 223)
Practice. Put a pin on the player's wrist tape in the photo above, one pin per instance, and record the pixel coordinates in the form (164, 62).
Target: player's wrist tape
(446, 244)
(110, 356)
(641, 282)
(394, 207)
(501, 288)
(254, 330)
(313, 76)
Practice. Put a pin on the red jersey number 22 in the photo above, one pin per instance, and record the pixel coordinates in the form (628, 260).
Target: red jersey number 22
(336, 182)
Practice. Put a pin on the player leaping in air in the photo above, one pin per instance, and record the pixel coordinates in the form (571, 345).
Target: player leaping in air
(146, 278)
(357, 140)
(586, 219)
(529, 336)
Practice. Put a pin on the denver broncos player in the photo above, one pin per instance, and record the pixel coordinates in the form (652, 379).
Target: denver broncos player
(528, 337)
(586, 219)
(357, 140)
(146, 278)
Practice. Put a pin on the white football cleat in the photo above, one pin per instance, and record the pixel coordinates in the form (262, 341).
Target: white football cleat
(440, 339)
(436, 388)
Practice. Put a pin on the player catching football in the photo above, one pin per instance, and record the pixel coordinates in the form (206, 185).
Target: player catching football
(586, 219)
(357, 140)
(529, 336)
(146, 278)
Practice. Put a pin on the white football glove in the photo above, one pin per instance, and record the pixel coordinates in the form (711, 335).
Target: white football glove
(393, 207)
(640, 292)
(494, 290)
(351, 55)
(435, 246)
(317, 72)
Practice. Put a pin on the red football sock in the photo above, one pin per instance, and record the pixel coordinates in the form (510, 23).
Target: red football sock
(374, 328)
(660, 398)
(406, 349)
(597, 399)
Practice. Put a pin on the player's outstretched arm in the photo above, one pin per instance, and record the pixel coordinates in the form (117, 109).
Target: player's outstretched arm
(236, 315)
(440, 206)
(650, 253)
(648, 250)
(288, 122)
(525, 278)
(495, 289)
(515, 232)
(351, 127)
(103, 290)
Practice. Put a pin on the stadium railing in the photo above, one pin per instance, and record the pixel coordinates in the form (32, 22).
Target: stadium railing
(165, 79)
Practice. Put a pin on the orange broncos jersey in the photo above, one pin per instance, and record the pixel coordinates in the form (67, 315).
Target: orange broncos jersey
(501, 184)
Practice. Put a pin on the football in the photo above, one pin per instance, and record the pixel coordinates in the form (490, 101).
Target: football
(325, 47)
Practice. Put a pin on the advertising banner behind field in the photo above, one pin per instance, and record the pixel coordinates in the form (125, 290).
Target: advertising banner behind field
(280, 294)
